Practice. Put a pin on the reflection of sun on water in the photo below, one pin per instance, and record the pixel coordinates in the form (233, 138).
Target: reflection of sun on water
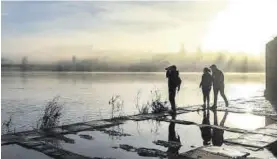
(244, 26)
(246, 121)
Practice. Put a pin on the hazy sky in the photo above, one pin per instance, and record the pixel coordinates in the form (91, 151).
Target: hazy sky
(79, 28)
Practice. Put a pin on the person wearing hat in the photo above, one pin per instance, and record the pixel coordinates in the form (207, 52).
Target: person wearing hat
(218, 85)
(206, 85)
(174, 83)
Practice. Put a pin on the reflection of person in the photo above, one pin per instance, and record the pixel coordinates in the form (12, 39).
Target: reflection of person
(218, 85)
(206, 84)
(206, 131)
(174, 82)
(172, 136)
(217, 135)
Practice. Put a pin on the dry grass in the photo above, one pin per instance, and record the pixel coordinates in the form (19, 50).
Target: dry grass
(155, 104)
(7, 125)
(142, 109)
(117, 105)
(52, 114)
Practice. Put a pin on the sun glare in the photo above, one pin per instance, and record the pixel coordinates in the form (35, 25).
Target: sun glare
(243, 26)
(246, 121)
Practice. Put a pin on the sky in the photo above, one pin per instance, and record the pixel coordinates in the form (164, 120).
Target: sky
(66, 28)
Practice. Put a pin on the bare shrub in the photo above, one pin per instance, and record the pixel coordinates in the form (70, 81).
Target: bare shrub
(155, 104)
(142, 109)
(52, 114)
(7, 125)
(117, 105)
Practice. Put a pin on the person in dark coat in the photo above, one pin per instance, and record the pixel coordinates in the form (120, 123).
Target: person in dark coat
(206, 85)
(218, 85)
(174, 84)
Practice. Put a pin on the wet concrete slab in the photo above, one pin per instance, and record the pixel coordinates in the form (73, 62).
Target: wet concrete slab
(171, 144)
(183, 122)
(57, 130)
(210, 152)
(114, 132)
(51, 149)
(265, 137)
(102, 124)
(77, 127)
(180, 110)
(9, 139)
(14, 151)
(149, 152)
(142, 151)
(251, 143)
(254, 153)
(157, 135)
(192, 108)
(85, 136)
(272, 126)
(28, 135)
(268, 131)
(259, 137)
(142, 117)
(32, 143)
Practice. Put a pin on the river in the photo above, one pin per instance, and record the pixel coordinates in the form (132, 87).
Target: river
(86, 96)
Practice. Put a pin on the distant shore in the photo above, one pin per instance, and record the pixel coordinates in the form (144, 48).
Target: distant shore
(125, 72)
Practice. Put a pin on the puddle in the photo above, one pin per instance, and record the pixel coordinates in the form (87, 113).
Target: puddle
(262, 153)
(159, 137)
(101, 146)
(142, 135)
(233, 120)
(17, 152)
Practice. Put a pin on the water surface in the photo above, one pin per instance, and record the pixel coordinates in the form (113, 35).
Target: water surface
(85, 95)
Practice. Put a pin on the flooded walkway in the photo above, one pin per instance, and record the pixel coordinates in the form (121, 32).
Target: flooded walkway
(245, 129)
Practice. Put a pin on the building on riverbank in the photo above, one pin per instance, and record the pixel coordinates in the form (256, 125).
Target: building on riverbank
(271, 68)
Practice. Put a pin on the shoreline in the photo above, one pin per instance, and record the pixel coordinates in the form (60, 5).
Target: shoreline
(245, 143)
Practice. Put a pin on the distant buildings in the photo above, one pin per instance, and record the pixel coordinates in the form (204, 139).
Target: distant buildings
(271, 69)
(73, 60)
(74, 63)
(24, 63)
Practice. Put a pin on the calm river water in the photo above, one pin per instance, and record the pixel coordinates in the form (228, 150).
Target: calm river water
(86, 95)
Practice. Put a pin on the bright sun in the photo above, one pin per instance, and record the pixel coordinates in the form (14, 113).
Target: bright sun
(244, 26)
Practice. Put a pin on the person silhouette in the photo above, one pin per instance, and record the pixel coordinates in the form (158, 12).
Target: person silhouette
(174, 83)
(206, 85)
(206, 131)
(173, 137)
(218, 85)
(218, 134)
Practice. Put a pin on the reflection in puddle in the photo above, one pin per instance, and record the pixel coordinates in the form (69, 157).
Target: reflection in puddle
(153, 138)
(234, 120)
(173, 137)
(166, 137)
(18, 152)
